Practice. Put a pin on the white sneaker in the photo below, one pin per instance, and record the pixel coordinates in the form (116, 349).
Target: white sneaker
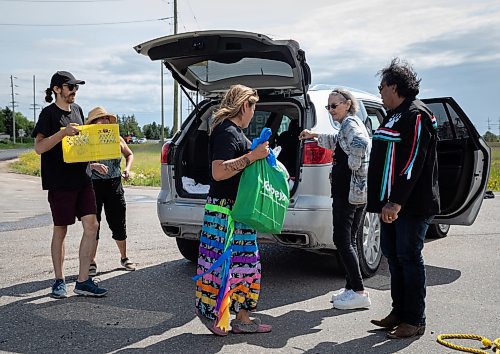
(337, 293)
(352, 301)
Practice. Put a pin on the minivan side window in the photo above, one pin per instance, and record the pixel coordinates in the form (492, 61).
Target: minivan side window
(460, 128)
(450, 126)
(374, 118)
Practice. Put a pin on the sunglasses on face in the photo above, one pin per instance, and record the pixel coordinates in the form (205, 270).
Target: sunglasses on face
(332, 106)
(381, 86)
(72, 87)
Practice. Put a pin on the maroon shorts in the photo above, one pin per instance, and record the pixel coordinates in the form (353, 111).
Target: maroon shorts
(66, 205)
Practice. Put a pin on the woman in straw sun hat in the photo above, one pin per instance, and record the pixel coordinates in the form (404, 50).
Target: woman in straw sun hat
(109, 194)
(100, 112)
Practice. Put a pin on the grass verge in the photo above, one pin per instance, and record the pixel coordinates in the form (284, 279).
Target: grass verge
(494, 181)
(9, 145)
(145, 169)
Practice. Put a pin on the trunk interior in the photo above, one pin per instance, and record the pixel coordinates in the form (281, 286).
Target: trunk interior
(192, 163)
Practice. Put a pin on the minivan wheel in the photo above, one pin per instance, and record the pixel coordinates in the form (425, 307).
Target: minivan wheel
(437, 230)
(368, 243)
(188, 248)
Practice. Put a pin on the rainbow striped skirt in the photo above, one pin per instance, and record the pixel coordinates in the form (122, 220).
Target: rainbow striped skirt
(229, 270)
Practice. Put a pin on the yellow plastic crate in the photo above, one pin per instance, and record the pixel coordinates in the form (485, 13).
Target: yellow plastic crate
(94, 142)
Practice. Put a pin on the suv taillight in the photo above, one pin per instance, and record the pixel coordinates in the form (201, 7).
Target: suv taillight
(164, 153)
(315, 154)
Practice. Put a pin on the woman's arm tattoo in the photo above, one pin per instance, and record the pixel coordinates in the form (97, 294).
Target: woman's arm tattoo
(236, 164)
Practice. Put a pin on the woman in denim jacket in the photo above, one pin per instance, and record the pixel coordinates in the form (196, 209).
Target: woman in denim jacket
(351, 146)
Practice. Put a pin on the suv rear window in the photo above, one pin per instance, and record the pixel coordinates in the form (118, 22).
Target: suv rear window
(210, 71)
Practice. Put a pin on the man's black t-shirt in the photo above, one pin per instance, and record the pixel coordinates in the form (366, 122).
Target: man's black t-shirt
(227, 142)
(56, 174)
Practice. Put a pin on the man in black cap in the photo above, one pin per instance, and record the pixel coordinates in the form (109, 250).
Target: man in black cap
(70, 192)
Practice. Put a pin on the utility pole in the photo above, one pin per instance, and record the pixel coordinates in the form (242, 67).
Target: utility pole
(176, 85)
(13, 109)
(34, 104)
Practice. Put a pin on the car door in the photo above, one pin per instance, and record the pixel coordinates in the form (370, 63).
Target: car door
(463, 163)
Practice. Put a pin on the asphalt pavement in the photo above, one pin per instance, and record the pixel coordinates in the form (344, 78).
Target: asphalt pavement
(151, 309)
(9, 154)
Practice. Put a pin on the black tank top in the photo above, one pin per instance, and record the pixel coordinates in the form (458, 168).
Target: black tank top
(341, 174)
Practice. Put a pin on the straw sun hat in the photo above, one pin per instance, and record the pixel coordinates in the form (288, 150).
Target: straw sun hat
(100, 112)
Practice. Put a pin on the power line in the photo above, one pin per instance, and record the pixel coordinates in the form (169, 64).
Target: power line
(494, 124)
(66, 1)
(81, 24)
(194, 16)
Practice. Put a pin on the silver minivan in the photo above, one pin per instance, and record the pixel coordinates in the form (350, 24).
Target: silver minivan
(208, 62)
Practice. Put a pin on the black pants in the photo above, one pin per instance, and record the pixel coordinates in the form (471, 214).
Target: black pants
(346, 222)
(402, 243)
(109, 194)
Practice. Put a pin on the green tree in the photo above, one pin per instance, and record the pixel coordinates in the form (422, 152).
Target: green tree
(167, 132)
(146, 130)
(153, 131)
(21, 122)
(490, 137)
(129, 126)
(156, 131)
(2, 120)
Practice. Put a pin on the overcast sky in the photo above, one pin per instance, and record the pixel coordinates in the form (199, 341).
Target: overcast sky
(453, 45)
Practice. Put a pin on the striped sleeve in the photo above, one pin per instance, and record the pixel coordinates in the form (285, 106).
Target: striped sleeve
(411, 155)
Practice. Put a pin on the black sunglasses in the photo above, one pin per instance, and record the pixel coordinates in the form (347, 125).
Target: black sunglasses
(332, 106)
(381, 86)
(72, 87)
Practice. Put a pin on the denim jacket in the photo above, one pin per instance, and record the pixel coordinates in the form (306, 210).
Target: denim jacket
(353, 138)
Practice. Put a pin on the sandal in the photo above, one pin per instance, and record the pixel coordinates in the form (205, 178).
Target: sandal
(210, 324)
(239, 327)
(92, 270)
(128, 264)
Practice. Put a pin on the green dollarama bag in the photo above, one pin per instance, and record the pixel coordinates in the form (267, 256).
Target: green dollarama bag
(263, 197)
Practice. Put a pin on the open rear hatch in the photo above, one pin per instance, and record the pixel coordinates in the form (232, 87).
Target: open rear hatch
(211, 61)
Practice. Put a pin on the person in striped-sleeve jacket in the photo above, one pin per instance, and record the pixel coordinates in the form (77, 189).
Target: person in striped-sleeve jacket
(403, 188)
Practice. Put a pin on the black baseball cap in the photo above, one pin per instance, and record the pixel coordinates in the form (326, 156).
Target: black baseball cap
(64, 77)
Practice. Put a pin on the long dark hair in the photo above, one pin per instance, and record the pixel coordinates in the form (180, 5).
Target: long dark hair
(48, 95)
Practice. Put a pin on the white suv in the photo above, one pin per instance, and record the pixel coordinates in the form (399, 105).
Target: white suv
(210, 61)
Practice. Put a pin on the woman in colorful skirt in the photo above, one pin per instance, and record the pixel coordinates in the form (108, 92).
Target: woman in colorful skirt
(229, 270)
